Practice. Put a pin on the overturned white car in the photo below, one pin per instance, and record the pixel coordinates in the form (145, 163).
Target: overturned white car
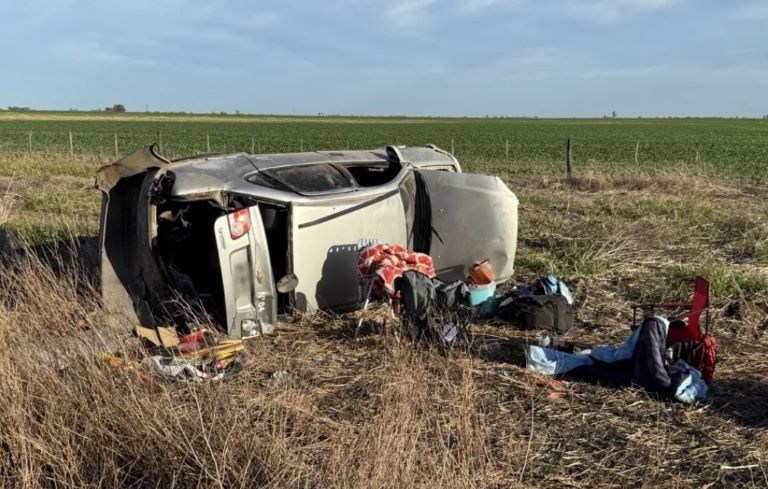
(248, 237)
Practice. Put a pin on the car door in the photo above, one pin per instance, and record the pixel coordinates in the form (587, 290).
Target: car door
(473, 218)
(327, 236)
(247, 280)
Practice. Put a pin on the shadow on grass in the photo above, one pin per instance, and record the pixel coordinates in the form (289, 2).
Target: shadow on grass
(744, 401)
(76, 257)
(496, 349)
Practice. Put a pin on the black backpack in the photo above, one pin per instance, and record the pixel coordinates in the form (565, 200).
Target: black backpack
(435, 309)
(544, 312)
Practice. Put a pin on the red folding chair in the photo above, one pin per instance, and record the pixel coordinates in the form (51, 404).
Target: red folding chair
(685, 329)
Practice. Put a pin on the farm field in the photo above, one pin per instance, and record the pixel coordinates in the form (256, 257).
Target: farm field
(35, 147)
(719, 147)
(373, 409)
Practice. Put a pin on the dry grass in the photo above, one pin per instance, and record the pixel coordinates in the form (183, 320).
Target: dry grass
(378, 410)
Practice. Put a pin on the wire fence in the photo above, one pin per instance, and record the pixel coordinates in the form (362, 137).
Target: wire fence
(734, 155)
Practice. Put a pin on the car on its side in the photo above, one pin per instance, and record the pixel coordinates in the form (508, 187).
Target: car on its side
(248, 237)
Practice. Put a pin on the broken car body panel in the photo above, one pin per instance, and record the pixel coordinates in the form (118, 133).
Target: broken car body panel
(127, 265)
(219, 231)
(486, 226)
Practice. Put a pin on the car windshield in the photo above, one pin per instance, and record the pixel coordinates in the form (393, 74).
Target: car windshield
(311, 178)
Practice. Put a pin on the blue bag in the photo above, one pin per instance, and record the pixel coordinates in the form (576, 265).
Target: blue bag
(551, 285)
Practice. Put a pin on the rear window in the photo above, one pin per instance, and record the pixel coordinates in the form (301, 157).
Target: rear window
(311, 178)
(264, 181)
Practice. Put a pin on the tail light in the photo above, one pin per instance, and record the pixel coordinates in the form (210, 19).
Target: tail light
(239, 223)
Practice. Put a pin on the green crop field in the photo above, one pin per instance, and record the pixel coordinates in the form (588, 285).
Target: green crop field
(55, 178)
(727, 148)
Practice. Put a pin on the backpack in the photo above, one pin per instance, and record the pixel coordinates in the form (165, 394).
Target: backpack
(550, 312)
(701, 354)
(434, 309)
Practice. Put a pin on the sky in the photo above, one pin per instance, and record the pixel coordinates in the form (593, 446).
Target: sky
(546, 58)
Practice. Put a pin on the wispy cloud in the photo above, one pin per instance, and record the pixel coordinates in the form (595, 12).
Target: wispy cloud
(262, 19)
(555, 64)
(611, 11)
(407, 13)
(754, 11)
(472, 6)
(89, 51)
(742, 75)
(632, 72)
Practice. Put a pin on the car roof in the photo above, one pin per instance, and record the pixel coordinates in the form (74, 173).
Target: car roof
(215, 173)
(418, 156)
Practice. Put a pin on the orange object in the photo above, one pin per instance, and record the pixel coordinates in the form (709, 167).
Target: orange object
(481, 273)
(192, 342)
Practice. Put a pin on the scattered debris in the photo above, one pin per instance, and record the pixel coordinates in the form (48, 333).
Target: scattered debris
(481, 274)
(320, 359)
(160, 336)
(281, 378)
(117, 361)
(198, 356)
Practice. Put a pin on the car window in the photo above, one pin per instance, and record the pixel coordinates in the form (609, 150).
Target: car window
(311, 178)
(265, 181)
(373, 174)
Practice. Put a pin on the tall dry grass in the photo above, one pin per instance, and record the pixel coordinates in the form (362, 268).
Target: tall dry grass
(395, 415)
(401, 416)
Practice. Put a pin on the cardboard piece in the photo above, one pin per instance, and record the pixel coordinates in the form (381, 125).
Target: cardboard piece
(160, 336)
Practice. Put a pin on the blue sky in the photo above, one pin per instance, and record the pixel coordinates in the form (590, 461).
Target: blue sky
(416, 57)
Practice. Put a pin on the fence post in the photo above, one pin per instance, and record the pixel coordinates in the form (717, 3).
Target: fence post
(301, 144)
(568, 158)
(507, 150)
(453, 151)
(252, 144)
(117, 154)
(637, 150)
(159, 141)
(208, 143)
(71, 147)
(29, 144)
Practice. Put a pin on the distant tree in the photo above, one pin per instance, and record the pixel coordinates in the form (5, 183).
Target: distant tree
(613, 114)
(118, 108)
